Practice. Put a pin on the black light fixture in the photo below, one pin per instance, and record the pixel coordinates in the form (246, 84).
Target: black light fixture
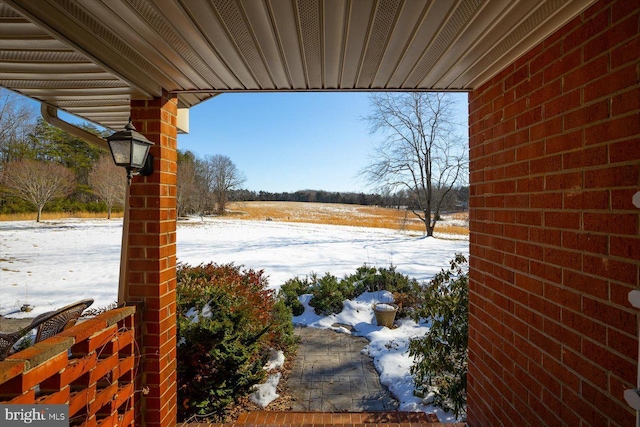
(130, 149)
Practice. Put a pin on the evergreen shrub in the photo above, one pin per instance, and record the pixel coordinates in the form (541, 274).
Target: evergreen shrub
(227, 321)
(370, 279)
(328, 294)
(293, 288)
(440, 356)
(403, 288)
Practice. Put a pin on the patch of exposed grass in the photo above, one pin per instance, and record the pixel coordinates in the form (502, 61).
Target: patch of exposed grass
(316, 213)
(31, 216)
(340, 214)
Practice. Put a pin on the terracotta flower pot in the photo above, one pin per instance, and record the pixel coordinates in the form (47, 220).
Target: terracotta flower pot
(385, 313)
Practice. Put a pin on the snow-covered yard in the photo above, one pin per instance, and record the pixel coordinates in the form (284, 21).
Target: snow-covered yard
(53, 263)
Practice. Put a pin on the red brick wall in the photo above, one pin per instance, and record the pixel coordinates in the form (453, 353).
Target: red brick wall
(152, 259)
(555, 161)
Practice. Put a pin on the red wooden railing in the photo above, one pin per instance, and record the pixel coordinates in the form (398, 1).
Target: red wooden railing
(91, 367)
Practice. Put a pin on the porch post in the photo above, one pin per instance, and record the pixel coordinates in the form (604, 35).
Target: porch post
(152, 260)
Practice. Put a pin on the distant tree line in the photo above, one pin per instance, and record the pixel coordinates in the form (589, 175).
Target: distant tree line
(456, 200)
(318, 196)
(206, 185)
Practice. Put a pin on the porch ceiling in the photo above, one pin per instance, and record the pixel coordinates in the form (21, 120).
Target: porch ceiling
(91, 57)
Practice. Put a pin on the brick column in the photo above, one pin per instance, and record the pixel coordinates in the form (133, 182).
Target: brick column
(152, 260)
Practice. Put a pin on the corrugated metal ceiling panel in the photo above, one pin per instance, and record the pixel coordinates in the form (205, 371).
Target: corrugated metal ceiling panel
(91, 57)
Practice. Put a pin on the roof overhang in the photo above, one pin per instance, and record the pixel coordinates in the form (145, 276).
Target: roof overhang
(92, 57)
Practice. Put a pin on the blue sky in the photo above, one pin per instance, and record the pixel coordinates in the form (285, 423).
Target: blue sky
(290, 141)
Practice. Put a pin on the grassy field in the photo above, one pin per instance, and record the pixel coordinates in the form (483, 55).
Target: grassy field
(341, 214)
(57, 215)
(316, 213)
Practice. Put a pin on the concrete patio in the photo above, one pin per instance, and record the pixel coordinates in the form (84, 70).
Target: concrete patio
(331, 374)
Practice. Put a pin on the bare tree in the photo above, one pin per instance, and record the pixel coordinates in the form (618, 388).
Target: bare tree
(38, 182)
(17, 120)
(221, 176)
(421, 152)
(191, 193)
(109, 182)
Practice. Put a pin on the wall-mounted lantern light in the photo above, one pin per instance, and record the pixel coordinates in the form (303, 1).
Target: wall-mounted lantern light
(130, 149)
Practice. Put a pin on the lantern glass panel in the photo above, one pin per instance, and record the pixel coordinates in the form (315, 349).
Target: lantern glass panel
(121, 151)
(140, 150)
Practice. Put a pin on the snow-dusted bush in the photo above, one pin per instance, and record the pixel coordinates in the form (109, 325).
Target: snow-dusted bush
(371, 279)
(403, 288)
(228, 321)
(329, 292)
(292, 289)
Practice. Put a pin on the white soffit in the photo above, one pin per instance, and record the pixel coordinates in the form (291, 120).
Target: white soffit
(92, 57)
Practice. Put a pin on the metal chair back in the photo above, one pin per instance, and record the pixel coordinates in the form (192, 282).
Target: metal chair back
(48, 325)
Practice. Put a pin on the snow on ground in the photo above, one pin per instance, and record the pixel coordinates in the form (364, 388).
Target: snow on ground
(54, 263)
(266, 392)
(51, 264)
(285, 250)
